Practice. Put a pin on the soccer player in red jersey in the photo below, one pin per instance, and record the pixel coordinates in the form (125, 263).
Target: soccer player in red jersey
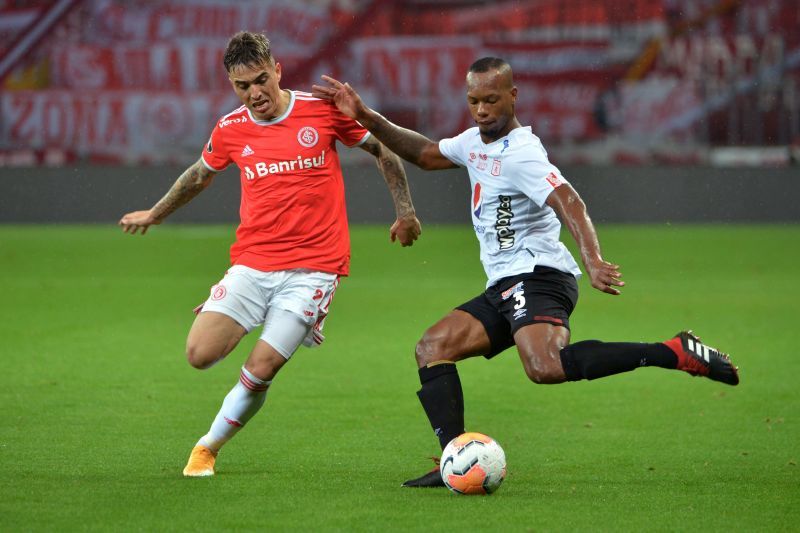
(292, 244)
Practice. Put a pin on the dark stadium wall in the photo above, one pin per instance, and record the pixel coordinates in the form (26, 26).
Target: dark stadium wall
(614, 194)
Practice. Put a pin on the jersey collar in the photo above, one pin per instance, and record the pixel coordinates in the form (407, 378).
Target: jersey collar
(506, 136)
(278, 118)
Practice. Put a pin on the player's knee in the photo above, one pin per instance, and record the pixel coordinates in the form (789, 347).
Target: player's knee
(431, 347)
(544, 370)
(544, 376)
(422, 353)
(200, 357)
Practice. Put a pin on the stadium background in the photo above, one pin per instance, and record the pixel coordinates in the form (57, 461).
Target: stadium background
(656, 109)
(677, 120)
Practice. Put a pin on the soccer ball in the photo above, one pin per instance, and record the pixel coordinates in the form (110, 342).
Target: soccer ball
(473, 463)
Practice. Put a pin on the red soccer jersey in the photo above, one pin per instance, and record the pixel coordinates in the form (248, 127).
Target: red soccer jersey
(293, 208)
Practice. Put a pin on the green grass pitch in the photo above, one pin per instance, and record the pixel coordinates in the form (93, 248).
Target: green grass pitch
(100, 408)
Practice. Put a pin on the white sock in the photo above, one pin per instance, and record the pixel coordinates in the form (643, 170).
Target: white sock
(242, 402)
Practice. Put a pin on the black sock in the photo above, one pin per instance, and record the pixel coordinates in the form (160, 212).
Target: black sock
(443, 400)
(597, 359)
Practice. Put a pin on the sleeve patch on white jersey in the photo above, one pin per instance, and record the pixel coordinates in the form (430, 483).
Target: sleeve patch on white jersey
(554, 180)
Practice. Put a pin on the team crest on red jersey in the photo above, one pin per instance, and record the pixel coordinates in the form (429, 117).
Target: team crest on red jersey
(307, 136)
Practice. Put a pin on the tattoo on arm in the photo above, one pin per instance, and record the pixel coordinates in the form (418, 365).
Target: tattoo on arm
(395, 176)
(194, 179)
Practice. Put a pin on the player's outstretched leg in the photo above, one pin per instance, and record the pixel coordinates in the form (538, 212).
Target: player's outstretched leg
(699, 359)
(593, 359)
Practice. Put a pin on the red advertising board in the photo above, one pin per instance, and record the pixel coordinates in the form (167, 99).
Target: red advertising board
(127, 126)
(189, 66)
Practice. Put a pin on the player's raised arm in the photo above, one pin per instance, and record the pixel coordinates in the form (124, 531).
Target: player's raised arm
(408, 144)
(406, 228)
(570, 208)
(194, 179)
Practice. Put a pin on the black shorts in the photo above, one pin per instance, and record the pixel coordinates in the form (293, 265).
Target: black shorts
(545, 295)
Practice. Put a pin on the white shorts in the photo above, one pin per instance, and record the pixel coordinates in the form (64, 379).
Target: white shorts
(252, 297)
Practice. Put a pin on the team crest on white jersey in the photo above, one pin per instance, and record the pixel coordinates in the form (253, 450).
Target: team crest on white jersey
(307, 136)
(495, 167)
(247, 151)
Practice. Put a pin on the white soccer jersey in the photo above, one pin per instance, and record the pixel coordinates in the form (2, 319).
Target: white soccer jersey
(511, 178)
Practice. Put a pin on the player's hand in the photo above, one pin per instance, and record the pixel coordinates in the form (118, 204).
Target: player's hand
(605, 276)
(406, 230)
(345, 97)
(138, 220)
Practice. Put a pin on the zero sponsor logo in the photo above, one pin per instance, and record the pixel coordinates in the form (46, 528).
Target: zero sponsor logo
(505, 235)
(307, 136)
(218, 292)
(477, 201)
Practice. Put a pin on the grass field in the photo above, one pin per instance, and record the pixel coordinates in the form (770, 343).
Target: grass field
(100, 408)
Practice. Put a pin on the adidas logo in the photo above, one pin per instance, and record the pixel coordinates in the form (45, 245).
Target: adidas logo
(700, 349)
(247, 151)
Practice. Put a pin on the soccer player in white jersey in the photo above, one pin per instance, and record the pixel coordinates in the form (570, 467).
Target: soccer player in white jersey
(292, 243)
(519, 200)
